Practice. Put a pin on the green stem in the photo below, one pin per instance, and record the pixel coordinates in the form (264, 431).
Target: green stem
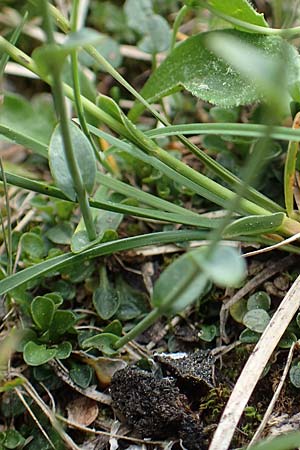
(76, 82)
(149, 320)
(179, 18)
(288, 33)
(66, 136)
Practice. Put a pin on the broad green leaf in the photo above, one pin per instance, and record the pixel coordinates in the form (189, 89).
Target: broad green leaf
(61, 233)
(64, 350)
(269, 68)
(137, 12)
(225, 266)
(42, 311)
(33, 245)
(179, 285)
(239, 9)
(192, 66)
(157, 35)
(295, 375)
(106, 301)
(62, 322)
(132, 303)
(255, 225)
(256, 320)
(103, 342)
(259, 300)
(13, 439)
(109, 48)
(35, 355)
(84, 156)
(104, 222)
(28, 123)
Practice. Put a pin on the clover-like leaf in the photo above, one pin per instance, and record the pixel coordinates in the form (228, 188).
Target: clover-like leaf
(36, 355)
(42, 311)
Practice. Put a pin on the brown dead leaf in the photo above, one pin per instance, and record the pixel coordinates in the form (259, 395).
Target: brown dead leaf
(82, 411)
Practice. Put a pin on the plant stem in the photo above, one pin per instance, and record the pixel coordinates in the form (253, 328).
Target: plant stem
(66, 136)
(139, 328)
(76, 82)
(179, 18)
(288, 33)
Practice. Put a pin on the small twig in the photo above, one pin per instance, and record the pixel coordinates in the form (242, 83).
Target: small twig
(63, 374)
(264, 275)
(254, 368)
(34, 418)
(105, 433)
(274, 398)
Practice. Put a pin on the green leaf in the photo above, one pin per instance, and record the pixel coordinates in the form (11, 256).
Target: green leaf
(42, 311)
(249, 337)
(295, 375)
(33, 245)
(106, 301)
(179, 285)
(84, 156)
(27, 123)
(239, 9)
(35, 355)
(13, 439)
(193, 67)
(85, 36)
(137, 12)
(287, 340)
(68, 259)
(56, 298)
(238, 310)
(114, 327)
(256, 320)
(225, 266)
(104, 221)
(259, 300)
(157, 35)
(103, 342)
(132, 303)
(255, 225)
(61, 233)
(207, 333)
(109, 48)
(62, 322)
(81, 374)
(64, 350)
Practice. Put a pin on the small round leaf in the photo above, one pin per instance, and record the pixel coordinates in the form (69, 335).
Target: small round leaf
(259, 300)
(42, 311)
(256, 320)
(36, 355)
(295, 375)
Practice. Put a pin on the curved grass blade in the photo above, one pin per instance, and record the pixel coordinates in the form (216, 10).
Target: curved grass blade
(106, 248)
(227, 129)
(182, 218)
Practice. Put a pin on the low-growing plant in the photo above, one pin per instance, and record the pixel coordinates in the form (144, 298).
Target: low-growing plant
(246, 63)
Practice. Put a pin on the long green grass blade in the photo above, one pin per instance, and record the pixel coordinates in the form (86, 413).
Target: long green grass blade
(106, 248)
